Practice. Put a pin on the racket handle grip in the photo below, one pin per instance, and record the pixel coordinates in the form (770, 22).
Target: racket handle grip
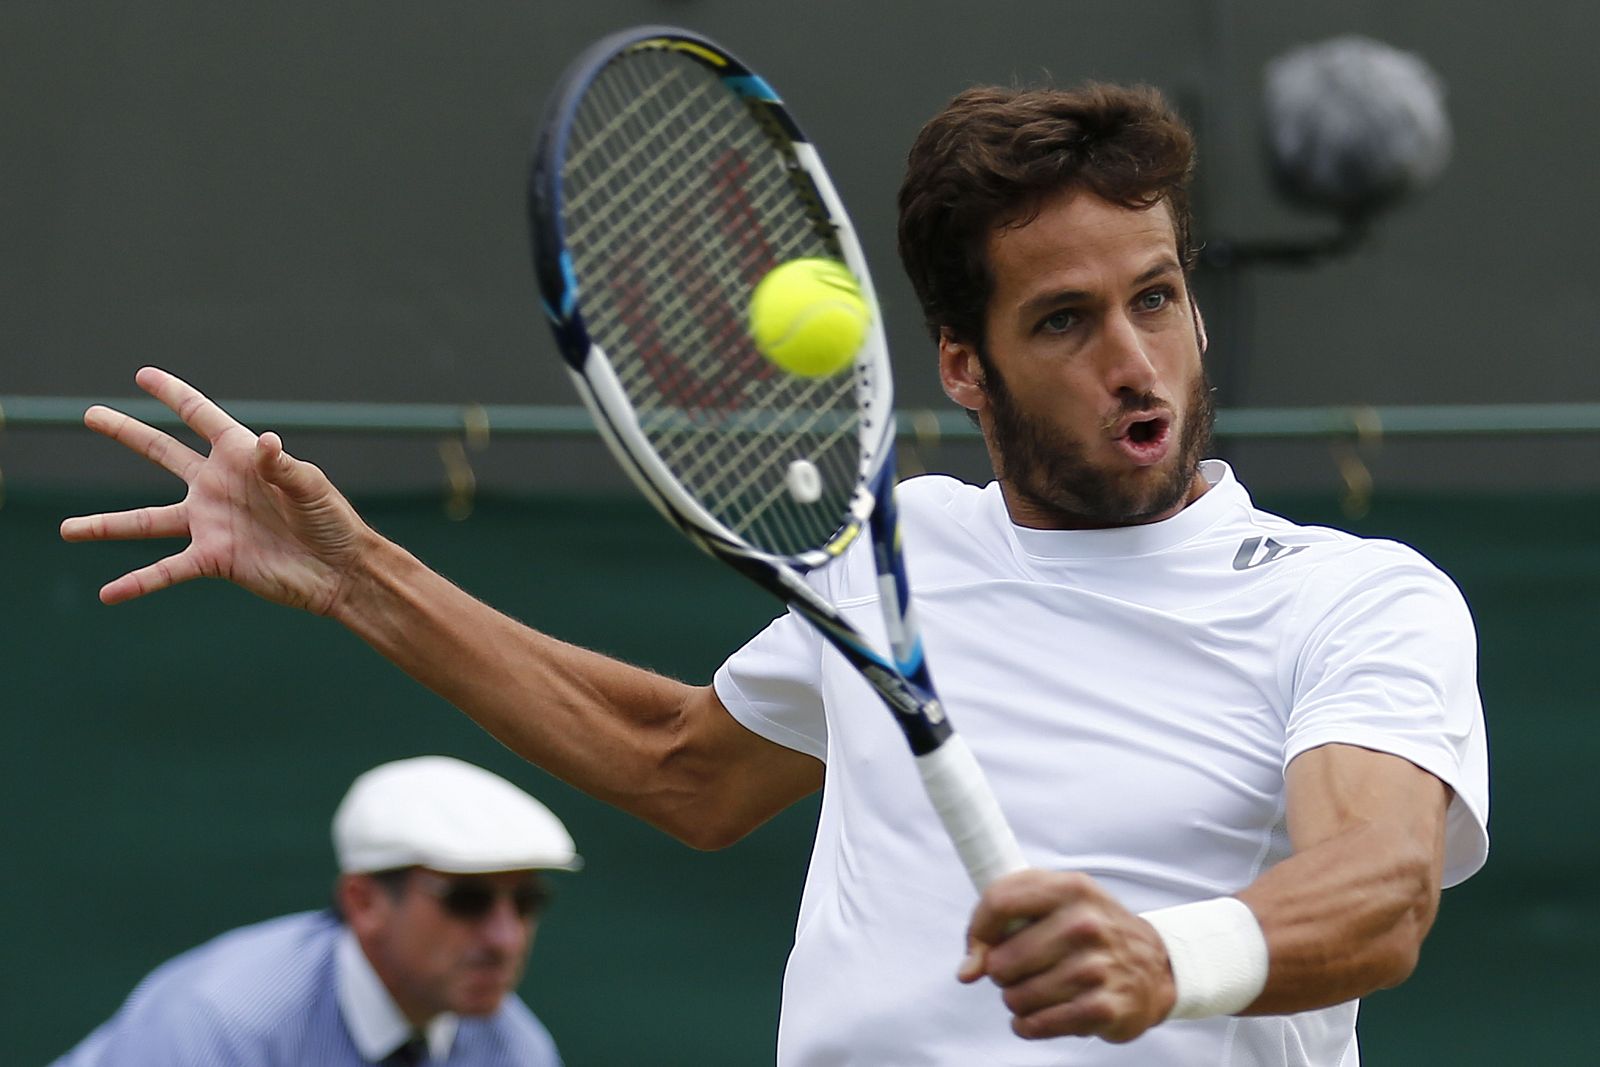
(970, 812)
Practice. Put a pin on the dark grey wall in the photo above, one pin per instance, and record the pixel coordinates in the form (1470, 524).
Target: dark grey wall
(324, 201)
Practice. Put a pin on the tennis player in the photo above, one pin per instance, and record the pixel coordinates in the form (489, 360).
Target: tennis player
(1242, 756)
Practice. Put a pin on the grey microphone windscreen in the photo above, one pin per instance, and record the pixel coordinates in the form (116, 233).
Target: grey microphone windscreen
(1353, 124)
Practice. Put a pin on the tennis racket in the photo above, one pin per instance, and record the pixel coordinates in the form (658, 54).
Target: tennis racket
(667, 181)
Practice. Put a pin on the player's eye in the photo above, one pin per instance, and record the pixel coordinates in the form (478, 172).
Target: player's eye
(1058, 322)
(1155, 299)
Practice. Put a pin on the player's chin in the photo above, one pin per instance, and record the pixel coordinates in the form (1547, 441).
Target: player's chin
(1157, 492)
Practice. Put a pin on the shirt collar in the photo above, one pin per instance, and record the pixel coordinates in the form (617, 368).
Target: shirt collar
(1223, 494)
(375, 1022)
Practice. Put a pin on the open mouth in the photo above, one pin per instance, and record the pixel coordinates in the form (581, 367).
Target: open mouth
(1146, 439)
(1142, 433)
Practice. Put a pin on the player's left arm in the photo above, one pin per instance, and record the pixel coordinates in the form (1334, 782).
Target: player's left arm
(1343, 916)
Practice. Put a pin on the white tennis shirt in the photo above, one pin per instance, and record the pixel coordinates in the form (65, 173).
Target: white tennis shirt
(1134, 696)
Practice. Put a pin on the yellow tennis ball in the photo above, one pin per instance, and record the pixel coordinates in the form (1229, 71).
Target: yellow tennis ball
(808, 316)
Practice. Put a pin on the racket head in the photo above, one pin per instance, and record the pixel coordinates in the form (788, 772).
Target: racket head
(667, 180)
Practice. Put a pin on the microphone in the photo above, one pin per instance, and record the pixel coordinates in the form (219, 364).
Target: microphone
(1354, 126)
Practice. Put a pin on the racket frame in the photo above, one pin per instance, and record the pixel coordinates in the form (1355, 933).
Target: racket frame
(960, 794)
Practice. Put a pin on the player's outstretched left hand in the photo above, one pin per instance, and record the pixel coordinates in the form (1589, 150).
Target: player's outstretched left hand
(1078, 963)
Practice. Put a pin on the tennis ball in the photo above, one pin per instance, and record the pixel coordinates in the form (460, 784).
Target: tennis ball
(808, 316)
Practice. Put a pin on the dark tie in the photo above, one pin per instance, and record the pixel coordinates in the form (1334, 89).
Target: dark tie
(410, 1054)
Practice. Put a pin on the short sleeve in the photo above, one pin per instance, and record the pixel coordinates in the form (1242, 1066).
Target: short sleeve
(1390, 664)
(773, 686)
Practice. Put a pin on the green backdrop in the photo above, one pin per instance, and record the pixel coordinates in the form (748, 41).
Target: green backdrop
(171, 766)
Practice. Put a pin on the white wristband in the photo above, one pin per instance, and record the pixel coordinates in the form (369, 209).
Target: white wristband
(1218, 954)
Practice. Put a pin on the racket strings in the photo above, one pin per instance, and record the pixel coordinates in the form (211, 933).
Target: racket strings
(654, 267)
(746, 476)
(621, 115)
(646, 190)
(677, 201)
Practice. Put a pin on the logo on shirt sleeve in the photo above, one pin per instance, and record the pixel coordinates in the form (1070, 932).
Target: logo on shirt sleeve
(1260, 551)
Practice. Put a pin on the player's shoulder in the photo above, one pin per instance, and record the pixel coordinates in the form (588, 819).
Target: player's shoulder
(1334, 547)
(932, 491)
(1327, 563)
(941, 502)
(951, 528)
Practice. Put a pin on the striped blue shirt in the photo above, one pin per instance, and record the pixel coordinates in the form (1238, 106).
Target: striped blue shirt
(267, 996)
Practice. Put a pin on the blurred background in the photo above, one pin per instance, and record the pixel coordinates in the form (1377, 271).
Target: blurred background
(296, 203)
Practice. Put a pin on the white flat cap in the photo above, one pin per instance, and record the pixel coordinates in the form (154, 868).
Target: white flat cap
(438, 812)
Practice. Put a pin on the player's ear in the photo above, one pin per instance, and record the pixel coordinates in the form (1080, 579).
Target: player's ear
(360, 900)
(960, 371)
(1199, 325)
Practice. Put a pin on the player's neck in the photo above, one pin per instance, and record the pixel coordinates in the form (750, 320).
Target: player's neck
(1028, 510)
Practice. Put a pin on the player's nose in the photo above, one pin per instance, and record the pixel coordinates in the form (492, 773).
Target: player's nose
(1127, 362)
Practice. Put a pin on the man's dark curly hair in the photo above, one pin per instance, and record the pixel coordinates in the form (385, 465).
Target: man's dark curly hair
(994, 155)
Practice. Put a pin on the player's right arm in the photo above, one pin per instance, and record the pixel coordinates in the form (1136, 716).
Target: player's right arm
(660, 749)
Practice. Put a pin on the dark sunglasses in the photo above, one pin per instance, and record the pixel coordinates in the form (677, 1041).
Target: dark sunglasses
(472, 898)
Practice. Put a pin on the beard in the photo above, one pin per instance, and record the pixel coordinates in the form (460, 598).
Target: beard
(1050, 470)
